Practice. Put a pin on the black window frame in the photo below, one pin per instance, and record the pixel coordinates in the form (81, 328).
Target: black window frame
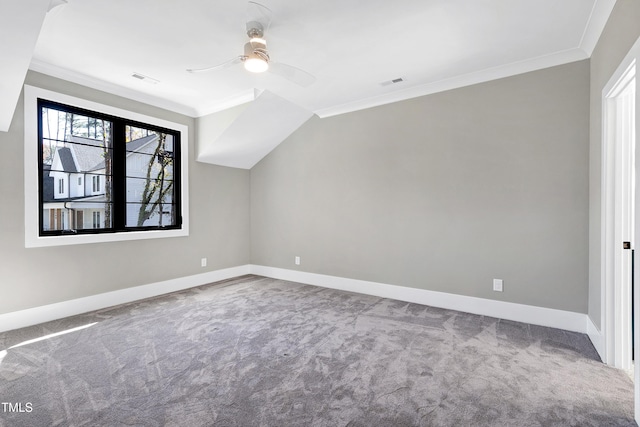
(119, 177)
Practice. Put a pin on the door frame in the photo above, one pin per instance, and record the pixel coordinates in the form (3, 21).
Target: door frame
(629, 68)
(618, 184)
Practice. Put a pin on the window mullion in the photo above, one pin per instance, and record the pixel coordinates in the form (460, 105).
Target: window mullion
(41, 172)
(177, 173)
(118, 179)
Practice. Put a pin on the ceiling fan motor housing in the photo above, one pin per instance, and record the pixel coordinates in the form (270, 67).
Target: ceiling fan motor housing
(256, 48)
(256, 58)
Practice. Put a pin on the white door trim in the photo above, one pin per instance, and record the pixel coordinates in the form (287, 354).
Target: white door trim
(618, 176)
(612, 159)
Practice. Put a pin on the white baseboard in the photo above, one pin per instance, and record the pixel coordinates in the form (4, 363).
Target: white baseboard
(560, 319)
(596, 337)
(46, 313)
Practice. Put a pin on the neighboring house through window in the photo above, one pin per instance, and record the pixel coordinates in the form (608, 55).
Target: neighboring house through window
(128, 174)
(134, 186)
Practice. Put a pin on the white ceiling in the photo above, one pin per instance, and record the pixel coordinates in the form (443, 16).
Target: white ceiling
(351, 46)
(19, 27)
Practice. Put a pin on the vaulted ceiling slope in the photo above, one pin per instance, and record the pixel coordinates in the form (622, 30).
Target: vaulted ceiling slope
(20, 24)
(354, 48)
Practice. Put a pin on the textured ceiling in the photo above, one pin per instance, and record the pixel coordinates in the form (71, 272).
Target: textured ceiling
(350, 46)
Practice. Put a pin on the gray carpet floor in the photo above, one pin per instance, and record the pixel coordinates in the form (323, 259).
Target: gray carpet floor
(254, 351)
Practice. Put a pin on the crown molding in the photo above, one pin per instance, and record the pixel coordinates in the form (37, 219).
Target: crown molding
(597, 21)
(595, 25)
(84, 80)
(494, 73)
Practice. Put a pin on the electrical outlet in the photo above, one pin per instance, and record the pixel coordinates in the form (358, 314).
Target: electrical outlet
(497, 285)
(203, 262)
(297, 260)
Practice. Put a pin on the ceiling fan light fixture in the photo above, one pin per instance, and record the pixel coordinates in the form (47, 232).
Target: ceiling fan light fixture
(256, 65)
(256, 56)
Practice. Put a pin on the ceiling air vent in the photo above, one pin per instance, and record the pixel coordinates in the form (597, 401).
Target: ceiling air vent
(144, 78)
(391, 82)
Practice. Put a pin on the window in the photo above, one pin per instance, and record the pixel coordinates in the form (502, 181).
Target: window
(125, 195)
(137, 166)
(96, 220)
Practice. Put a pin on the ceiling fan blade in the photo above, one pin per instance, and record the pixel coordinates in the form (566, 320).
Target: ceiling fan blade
(259, 13)
(229, 63)
(294, 74)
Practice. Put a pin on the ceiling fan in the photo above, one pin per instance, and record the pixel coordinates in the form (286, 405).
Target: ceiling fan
(256, 57)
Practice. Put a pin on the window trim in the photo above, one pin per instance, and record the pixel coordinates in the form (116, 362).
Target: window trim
(31, 171)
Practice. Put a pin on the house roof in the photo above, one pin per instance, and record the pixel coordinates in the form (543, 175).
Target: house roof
(47, 184)
(66, 158)
(136, 145)
(88, 154)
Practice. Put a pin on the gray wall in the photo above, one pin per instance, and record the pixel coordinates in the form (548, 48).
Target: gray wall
(443, 192)
(619, 35)
(219, 226)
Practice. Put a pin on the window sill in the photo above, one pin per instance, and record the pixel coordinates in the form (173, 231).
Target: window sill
(72, 239)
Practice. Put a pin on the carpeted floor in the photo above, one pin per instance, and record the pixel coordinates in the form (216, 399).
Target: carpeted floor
(254, 351)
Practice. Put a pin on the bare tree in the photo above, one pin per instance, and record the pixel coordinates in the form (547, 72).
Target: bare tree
(155, 190)
(106, 153)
